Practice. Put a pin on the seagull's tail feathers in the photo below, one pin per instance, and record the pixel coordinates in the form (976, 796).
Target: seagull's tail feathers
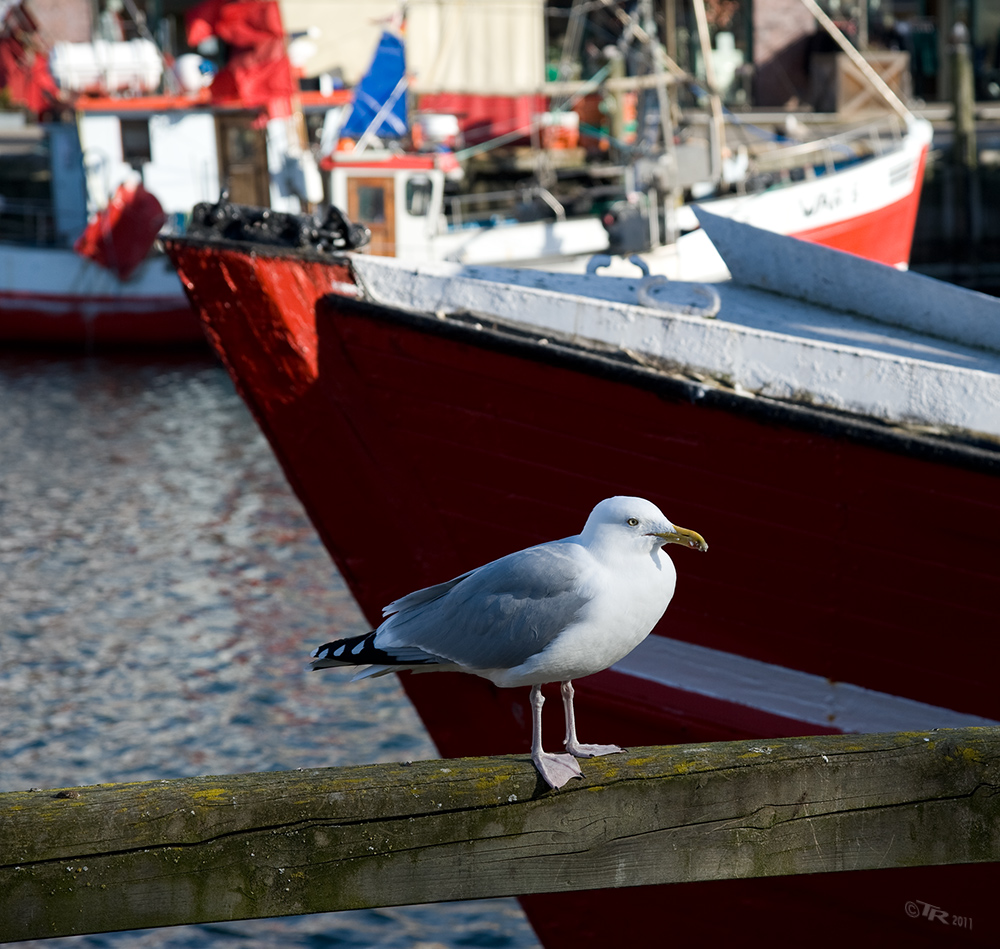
(362, 651)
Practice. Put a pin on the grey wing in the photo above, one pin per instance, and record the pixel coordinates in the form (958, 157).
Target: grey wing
(420, 597)
(500, 615)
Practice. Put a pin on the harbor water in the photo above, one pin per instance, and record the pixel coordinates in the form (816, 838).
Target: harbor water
(160, 590)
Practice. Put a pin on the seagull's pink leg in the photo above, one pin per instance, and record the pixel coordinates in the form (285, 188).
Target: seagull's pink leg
(572, 745)
(555, 769)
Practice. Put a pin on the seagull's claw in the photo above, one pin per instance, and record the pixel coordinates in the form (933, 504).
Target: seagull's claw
(590, 751)
(556, 770)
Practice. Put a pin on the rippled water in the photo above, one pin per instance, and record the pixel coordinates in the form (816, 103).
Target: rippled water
(160, 589)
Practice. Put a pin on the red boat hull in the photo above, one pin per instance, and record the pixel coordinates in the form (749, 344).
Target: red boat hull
(94, 321)
(884, 235)
(421, 450)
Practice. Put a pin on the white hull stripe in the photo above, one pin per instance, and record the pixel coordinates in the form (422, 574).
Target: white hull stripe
(787, 692)
(345, 289)
(865, 188)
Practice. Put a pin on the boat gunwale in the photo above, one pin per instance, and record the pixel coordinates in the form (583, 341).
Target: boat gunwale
(253, 249)
(959, 449)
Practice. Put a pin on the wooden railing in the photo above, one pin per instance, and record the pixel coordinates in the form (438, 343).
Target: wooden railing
(159, 853)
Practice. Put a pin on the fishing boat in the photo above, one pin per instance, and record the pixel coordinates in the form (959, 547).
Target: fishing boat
(856, 188)
(124, 147)
(80, 264)
(829, 424)
(857, 191)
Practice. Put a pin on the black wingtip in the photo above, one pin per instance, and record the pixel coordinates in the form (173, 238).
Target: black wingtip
(353, 651)
(362, 651)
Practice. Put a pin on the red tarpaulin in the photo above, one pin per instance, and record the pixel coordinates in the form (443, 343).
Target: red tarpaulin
(257, 72)
(24, 66)
(120, 236)
(484, 117)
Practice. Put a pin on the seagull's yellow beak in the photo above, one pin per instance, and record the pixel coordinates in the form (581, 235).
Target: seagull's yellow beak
(680, 535)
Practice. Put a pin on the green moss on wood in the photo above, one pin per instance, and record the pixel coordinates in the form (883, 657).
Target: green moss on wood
(200, 849)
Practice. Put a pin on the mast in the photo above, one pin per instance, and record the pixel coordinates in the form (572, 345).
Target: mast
(718, 126)
(668, 160)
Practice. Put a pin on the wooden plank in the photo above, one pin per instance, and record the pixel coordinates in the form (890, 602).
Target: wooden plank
(254, 845)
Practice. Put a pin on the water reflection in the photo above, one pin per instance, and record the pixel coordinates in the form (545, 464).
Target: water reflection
(161, 591)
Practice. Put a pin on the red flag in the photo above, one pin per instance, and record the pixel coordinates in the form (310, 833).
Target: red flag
(119, 237)
(257, 72)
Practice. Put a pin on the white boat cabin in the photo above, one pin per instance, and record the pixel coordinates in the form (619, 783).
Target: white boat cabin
(402, 200)
(54, 175)
(186, 152)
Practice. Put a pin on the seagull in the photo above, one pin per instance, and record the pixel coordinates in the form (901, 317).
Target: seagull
(551, 613)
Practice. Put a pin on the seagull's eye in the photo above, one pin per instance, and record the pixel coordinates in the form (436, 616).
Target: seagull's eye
(633, 522)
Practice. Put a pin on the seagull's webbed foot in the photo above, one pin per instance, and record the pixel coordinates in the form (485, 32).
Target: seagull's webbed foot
(590, 751)
(556, 770)
(573, 746)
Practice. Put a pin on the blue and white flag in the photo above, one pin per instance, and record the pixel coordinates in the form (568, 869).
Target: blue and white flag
(381, 94)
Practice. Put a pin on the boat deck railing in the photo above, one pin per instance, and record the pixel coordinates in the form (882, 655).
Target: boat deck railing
(486, 207)
(831, 151)
(27, 221)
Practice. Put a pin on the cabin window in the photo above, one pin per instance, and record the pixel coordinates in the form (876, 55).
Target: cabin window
(135, 142)
(418, 196)
(26, 213)
(371, 204)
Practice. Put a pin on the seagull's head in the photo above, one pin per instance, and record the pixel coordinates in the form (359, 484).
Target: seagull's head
(625, 522)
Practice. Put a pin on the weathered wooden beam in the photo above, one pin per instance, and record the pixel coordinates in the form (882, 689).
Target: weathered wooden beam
(167, 852)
